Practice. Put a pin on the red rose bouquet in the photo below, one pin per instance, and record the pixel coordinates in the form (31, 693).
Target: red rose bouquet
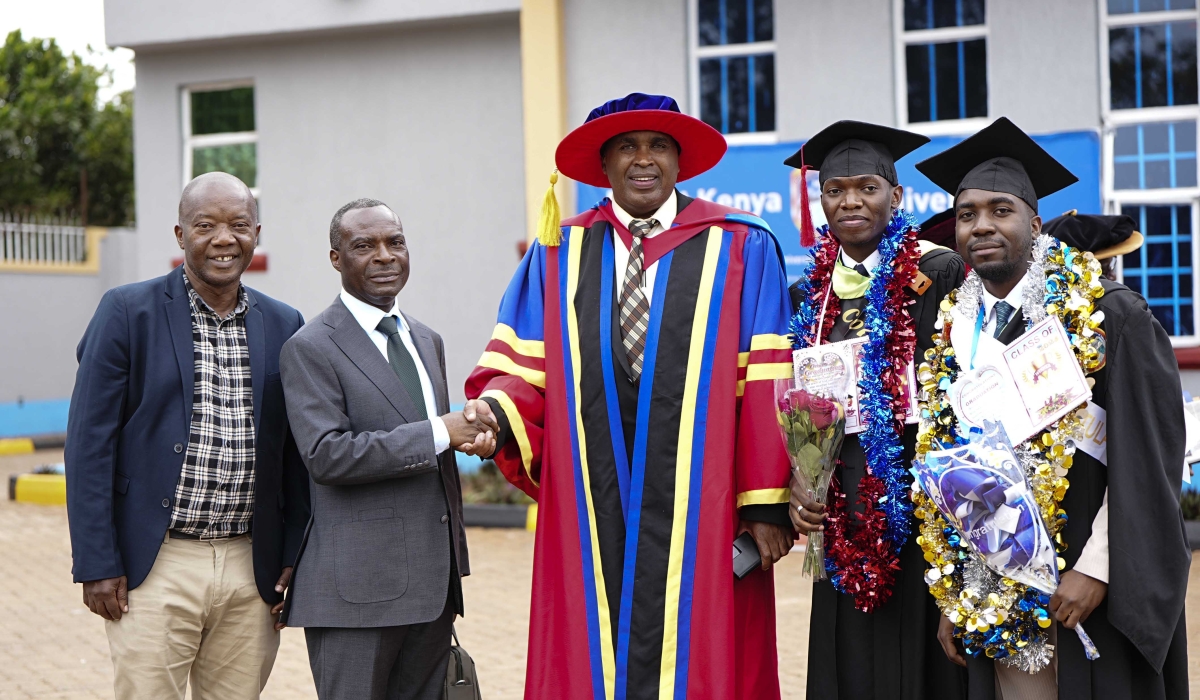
(812, 427)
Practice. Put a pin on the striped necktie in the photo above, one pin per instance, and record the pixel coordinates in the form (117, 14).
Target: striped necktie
(403, 363)
(635, 308)
(1004, 312)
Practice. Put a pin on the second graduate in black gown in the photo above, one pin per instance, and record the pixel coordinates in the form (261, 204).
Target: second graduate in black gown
(873, 626)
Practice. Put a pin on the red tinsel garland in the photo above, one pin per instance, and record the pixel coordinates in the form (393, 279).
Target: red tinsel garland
(824, 258)
(863, 559)
(861, 554)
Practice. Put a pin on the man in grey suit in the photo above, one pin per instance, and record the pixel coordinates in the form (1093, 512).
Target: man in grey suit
(377, 583)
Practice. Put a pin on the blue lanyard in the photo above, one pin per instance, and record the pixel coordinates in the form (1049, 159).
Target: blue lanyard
(978, 330)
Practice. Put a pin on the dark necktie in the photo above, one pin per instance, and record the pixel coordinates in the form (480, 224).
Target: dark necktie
(862, 270)
(403, 363)
(635, 308)
(1004, 311)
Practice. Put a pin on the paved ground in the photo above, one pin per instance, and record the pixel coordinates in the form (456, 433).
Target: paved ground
(52, 647)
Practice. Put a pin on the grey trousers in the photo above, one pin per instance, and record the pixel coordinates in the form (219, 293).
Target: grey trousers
(381, 663)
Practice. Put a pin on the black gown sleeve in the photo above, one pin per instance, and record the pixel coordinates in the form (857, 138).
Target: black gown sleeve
(951, 271)
(502, 420)
(776, 513)
(1149, 557)
(946, 272)
(796, 295)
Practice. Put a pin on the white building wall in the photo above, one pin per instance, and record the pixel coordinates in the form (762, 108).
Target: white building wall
(838, 61)
(832, 61)
(427, 119)
(43, 318)
(142, 24)
(1044, 63)
(617, 47)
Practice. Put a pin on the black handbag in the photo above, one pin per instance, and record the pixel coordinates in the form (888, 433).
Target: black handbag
(461, 681)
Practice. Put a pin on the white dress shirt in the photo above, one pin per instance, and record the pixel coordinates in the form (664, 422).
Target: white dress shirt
(369, 317)
(665, 217)
(989, 305)
(1093, 560)
(870, 263)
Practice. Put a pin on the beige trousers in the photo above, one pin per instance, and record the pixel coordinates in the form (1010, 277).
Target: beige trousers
(197, 614)
(1015, 684)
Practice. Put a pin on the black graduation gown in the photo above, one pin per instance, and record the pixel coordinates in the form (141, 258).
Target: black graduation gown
(1139, 627)
(893, 653)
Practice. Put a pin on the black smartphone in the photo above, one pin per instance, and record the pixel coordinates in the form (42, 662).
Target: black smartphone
(745, 556)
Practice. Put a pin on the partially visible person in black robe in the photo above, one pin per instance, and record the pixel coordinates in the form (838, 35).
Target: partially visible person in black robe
(1138, 623)
(892, 653)
(1108, 237)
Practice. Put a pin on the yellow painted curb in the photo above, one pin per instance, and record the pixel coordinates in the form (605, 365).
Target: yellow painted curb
(15, 446)
(531, 518)
(46, 489)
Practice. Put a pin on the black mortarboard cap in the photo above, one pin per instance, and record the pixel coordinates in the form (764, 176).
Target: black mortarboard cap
(999, 158)
(849, 148)
(939, 229)
(1099, 234)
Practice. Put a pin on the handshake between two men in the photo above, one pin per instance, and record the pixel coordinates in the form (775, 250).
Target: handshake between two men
(473, 430)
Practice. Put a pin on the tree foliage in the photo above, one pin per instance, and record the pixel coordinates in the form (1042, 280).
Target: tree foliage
(56, 139)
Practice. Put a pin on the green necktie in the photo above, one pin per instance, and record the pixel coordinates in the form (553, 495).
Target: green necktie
(848, 282)
(402, 363)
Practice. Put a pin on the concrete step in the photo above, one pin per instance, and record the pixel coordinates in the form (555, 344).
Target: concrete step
(499, 515)
(1192, 527)
(47, 489)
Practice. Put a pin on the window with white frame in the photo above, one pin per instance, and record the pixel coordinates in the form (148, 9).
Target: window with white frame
(219, 132)
(942, 61)
(733, 67)
(1161, 270)
(1150, 153)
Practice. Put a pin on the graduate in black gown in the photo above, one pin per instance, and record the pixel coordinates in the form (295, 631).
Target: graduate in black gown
(892, 651)
(1126, 556)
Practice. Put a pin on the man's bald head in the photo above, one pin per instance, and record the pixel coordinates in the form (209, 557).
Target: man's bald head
(209, 185)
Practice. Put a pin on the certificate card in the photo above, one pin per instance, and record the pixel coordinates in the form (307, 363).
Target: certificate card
(1046, 374)
(988, 394)
(834, 369)
(828, 370)
(1037, 382)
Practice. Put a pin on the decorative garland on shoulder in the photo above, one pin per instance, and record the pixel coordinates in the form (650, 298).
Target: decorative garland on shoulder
(993, 615)
(863, 558)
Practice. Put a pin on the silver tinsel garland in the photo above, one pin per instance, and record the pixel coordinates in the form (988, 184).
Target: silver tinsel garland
(977, 577)
(1033, 658)
(1033, 296)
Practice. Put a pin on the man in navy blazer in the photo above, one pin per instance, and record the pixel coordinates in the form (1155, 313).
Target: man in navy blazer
(186, 497)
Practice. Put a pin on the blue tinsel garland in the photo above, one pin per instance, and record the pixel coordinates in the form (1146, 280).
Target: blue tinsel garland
(881, 443)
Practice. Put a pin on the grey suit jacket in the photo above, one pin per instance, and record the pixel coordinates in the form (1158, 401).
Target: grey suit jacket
(386, 510)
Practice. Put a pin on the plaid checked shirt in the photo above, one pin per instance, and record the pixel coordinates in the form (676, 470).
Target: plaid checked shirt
(215, 493)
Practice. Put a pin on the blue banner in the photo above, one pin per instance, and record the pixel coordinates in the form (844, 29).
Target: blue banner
(754, 179)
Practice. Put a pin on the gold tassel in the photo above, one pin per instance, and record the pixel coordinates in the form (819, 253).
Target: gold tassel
(550, 221)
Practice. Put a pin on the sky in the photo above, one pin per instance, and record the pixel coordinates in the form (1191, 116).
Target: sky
(74, 24)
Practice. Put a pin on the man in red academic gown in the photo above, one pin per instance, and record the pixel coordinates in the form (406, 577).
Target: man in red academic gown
(631, 373)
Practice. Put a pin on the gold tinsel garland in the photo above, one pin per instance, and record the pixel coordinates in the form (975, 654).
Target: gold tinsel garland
(993, 615)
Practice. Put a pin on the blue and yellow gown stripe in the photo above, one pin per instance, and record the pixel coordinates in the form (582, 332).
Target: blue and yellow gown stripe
(689, 473)
(599, 631)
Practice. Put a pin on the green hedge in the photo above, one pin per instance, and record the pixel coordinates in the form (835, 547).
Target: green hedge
(488, 485)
